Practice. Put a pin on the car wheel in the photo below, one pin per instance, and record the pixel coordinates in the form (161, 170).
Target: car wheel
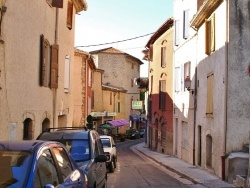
(111, 166)
(114, 162)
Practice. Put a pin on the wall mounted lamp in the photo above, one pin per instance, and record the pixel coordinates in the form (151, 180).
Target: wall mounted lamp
(187, 84)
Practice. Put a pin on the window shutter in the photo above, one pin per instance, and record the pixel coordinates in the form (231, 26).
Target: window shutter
(207, 37)
(177, 79)
(93, 100)
(186, 24)
(151, 52)
(177, 22)
(42, 60)
(54, 66)
(70, 15)
(212, 47)
(57, 3)
(182, 77)
(163, 57)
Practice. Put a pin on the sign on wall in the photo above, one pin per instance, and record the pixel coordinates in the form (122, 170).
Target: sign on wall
(136, 105)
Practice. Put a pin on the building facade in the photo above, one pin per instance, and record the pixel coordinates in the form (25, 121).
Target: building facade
(160, 89)
(120, 70)
(36, 52)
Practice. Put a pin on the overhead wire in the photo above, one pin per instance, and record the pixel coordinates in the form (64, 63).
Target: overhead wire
(114, 41)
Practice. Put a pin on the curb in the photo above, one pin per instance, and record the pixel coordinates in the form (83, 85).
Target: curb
(171, 169)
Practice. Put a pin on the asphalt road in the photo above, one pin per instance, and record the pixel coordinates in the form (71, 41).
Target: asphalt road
(136, 171)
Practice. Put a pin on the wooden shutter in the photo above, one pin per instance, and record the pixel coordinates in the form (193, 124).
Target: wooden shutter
(57, 3)
(93, 100)
(162, 94)
(70, 15)
(163, 57)
(207, 36)
(42, 60)
(54, 66)
(212, 33)
(151, 53)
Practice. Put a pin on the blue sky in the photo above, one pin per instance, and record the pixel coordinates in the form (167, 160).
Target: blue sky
(108, 21)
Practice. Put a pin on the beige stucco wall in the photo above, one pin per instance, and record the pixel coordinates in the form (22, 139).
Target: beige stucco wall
(214, 63)
(21, 95)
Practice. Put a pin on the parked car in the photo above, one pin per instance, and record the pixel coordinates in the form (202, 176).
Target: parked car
(86, 149)
(132, 134)
(110, 151)
(142, 132)
(38, 164)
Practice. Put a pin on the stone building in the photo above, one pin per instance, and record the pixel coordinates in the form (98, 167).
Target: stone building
(119, 72)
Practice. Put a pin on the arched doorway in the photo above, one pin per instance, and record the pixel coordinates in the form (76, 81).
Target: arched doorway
(45, 124)
(209, 151)
(27, 129)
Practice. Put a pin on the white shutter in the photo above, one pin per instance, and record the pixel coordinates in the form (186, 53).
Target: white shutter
(177, 23)
(185, 24)
(177, 79)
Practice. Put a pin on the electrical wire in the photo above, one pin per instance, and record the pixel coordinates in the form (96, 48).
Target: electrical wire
(115, 41)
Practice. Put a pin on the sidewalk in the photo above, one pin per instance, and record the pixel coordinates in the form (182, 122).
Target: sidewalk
(199, 178)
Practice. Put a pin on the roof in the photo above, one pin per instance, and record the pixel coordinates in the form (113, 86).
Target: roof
(21, 145)
(80, 5)
(166, 26)
(113, 88)
(112, 50)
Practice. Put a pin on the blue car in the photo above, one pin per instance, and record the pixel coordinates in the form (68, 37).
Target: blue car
(38, 164)
(86, 149)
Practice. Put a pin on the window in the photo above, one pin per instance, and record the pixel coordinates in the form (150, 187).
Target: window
(46, 170)
(90, 77)
(163, 57)
(110, 98)
(209, 110)
(70, 15)
(132, 65)
(118, 95)
(162, 94)
(177, 27)
(92, 100)
(63, 161)
(118, 107)
(66, 74)
(177, 79)
(151, 84)
(132, 82)
(210, 35)
(187, 70)
(185, 24)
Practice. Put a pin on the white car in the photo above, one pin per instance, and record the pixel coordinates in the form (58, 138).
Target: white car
(109, 148)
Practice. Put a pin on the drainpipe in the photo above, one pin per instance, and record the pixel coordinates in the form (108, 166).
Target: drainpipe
(195, 98)
(226, 94)
(54, 90)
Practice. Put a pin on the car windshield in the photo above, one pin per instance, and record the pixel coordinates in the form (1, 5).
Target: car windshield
(14, 168)
(106, 142)
(79, 149)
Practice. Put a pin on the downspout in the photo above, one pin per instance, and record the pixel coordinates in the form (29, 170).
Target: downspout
(54, 90)
(223, 168)
(195, 98)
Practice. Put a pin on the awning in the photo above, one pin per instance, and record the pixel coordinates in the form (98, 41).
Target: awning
(118, 123)
(106, 126)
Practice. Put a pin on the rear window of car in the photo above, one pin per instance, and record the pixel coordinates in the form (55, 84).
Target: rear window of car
(79, 149)
(105, 142)
(15, 166)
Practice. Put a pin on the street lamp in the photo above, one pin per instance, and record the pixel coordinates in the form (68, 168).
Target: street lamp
(187, 84)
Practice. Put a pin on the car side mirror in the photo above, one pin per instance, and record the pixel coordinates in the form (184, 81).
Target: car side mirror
(100, 158)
